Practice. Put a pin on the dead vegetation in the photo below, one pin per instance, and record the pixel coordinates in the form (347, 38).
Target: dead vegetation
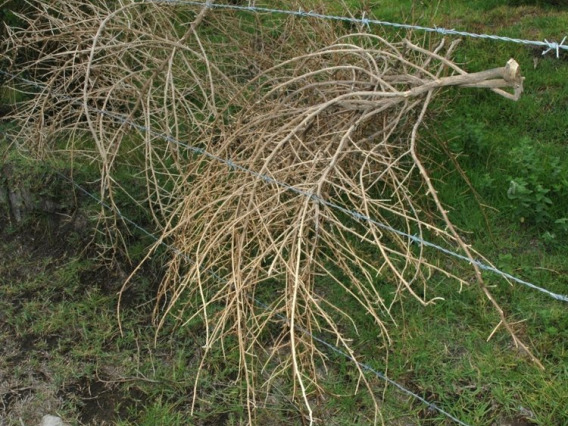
(274, 160)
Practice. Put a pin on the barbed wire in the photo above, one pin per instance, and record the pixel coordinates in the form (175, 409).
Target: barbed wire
(554, 47)
(325, 343)
(550, 46)
(308, 194)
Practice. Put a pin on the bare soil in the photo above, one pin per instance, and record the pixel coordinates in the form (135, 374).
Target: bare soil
(46, 366)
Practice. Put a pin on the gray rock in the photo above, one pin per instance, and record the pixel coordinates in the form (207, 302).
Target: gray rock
(49, 420)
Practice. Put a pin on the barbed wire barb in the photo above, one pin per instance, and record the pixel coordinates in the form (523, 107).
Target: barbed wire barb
(554, 47)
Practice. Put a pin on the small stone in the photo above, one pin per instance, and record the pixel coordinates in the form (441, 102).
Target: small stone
(49, 420)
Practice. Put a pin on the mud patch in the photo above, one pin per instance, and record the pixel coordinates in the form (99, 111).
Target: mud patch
(44, 344)
(101, 403)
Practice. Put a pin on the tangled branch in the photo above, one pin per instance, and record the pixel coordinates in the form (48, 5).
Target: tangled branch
(300, 145)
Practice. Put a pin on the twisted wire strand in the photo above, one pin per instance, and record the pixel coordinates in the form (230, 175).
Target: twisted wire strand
(550, 46)
(313, 197)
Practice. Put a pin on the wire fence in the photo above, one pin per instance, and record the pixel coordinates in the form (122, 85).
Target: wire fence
(380, 375)
(549, 46)
(310, 195)
(554, 47)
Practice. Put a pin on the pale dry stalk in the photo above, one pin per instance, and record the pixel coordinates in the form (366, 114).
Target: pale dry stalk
(306, 166)
(102, 67)
(337, 125)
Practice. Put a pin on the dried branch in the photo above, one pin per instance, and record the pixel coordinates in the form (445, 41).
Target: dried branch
(306, 130)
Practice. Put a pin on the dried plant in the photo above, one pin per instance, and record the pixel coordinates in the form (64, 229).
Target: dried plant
(305, 173)
(326, 133)
(103, 65)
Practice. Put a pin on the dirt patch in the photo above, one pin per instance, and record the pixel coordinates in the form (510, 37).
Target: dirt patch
(57, 320)
(101, 402)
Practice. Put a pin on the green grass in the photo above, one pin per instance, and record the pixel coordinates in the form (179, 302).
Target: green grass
(59, 308)
(60, 339)
(442, 351)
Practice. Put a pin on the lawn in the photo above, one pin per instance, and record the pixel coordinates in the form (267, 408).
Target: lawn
(499, 170)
